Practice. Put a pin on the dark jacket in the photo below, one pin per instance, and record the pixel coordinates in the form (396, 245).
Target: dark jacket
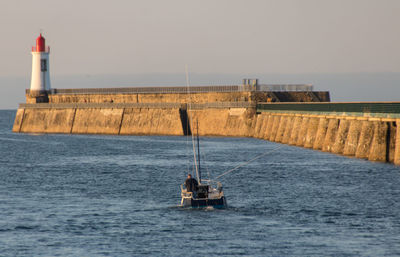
(191, 184)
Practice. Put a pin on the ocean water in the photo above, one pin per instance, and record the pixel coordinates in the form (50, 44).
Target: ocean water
(94, 195)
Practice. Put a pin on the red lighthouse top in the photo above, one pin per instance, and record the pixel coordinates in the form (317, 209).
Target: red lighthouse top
(40, 44)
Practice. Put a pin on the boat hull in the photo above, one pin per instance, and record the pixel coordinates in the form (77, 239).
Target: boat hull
(204, 202)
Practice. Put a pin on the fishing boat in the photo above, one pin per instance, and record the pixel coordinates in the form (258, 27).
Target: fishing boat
(208, 193)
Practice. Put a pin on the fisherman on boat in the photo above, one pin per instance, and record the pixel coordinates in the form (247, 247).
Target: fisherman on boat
(191, 185)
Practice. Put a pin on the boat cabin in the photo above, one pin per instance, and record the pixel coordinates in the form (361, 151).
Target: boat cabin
(202, 191)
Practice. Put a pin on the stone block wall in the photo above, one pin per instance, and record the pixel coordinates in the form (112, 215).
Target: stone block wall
(374, 139)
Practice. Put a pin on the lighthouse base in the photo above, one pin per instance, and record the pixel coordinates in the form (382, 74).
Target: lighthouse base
(37, 96)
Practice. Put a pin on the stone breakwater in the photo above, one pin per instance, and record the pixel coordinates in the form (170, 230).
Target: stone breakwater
(375, 139)
(362, 130)
(372, 136)
(217, 119)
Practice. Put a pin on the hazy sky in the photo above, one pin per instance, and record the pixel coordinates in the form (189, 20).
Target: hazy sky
(218, 36)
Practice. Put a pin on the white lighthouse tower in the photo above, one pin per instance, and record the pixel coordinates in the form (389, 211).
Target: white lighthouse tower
(40, 82)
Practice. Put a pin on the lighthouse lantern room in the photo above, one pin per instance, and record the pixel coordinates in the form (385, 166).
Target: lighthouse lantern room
(40, 82)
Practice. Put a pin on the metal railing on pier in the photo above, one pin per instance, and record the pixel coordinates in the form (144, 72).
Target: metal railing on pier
(287, 87)
(147, 90)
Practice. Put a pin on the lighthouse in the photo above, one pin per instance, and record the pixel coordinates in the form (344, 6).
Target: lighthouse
(40, 82)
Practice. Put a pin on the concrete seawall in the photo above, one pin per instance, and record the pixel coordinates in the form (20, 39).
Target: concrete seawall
(218, 119)
(372, 136)
(337, 134)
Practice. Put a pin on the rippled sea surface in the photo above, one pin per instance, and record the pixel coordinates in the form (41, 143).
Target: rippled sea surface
(93, 195)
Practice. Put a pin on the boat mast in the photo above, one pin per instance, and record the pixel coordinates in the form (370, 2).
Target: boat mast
(191, 125)
(195, 159)
(198, 150)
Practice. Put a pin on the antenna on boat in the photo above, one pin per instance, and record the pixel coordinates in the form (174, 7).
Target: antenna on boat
(190, 120)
